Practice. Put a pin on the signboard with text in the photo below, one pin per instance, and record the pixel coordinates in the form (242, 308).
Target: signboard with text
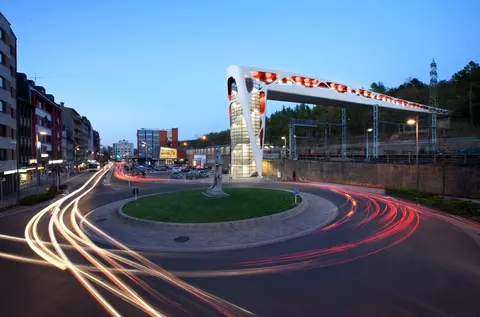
(168, 153)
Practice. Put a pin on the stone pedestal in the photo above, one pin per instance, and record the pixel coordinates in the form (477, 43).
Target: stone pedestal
(216, 191)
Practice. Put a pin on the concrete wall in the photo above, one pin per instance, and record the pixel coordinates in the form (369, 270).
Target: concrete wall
(461, 181)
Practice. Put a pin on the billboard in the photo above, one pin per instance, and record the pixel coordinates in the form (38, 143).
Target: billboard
(168, 153)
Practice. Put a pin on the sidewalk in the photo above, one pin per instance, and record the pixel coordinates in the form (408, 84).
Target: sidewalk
(11, 199)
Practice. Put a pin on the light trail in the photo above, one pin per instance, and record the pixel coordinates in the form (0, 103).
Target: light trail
(109, 263)
(117, 270)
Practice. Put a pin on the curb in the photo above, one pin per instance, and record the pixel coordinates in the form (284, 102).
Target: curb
(330, 208)
(208, 226)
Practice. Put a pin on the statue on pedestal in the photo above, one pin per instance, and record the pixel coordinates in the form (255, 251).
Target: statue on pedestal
(215, 190)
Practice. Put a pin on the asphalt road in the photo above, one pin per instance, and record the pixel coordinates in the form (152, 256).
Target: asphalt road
(422, 266)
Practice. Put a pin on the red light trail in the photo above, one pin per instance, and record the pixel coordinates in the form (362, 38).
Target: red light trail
(118, 270)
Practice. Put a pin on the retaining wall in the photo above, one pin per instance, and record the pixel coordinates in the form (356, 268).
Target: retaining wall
(461, 181)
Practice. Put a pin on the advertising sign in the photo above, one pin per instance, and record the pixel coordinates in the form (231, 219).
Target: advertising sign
(168, 153)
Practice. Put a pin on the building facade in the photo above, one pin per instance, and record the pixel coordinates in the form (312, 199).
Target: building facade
(149, 142)
(8, 107)
(96, 144)
(77, 128)
(210, 155)
(123, 148)
(48, 124)
(25, 120)
(40, 128)
(87, 140)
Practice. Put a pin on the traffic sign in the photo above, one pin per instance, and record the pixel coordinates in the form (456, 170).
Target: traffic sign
(296, 192)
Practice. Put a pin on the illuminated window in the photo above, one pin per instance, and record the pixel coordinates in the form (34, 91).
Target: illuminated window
(2, 106)
(2, 81)
(2, 58)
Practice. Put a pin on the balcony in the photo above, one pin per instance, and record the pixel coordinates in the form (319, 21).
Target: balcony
(43, 130)
(7, 120)
(7, 143)
(46, 147)
(43, 114)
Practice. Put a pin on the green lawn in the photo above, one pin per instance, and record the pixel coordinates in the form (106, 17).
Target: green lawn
(192, 206)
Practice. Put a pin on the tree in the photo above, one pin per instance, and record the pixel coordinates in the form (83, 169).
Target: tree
(378, 87)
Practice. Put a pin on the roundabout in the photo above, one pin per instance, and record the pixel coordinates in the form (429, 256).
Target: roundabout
(192, 206)
(384, 257)
(274, 225)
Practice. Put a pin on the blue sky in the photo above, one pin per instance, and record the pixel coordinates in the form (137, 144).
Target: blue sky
(133, 64)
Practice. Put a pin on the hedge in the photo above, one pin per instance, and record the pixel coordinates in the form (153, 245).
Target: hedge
(35, 199)
(453, 206)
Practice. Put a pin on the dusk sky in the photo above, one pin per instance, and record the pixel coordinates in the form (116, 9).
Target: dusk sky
(160, 64)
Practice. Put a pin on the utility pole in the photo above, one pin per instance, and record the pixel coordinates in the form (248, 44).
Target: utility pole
(470, 104)
(433, 102)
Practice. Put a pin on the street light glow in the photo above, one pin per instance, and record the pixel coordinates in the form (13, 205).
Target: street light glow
(411, 121)
(283, 138)
(369, 130)
(42, 133)
(204, 137)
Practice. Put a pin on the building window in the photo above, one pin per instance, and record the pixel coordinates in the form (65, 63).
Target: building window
(2, 58)
(2, 106)
(2, 34)
(2, 80)
(3, 154)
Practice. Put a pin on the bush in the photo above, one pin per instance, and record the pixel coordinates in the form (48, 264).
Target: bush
(35, 199)
(452, 206)
(63, 187)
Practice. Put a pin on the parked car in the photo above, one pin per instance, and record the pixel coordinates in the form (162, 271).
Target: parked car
(203, 174)
(176, 175)
(176, 169)
(193, 175)
(225, 170)
(162, 168)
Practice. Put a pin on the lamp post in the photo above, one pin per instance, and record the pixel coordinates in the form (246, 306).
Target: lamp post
(204, 138)
(39, 146)
(367, 155)
(285, 155)
(75, 149)
(144, 145)
(415, 122)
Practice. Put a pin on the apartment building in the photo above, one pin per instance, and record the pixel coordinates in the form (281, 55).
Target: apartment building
(149, 141)
(123, 148)
(8, 106)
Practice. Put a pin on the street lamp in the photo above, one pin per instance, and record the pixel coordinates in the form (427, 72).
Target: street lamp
(185, 144)
(367, 155)
(285, 155)
(415, 122)
(144, 145)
